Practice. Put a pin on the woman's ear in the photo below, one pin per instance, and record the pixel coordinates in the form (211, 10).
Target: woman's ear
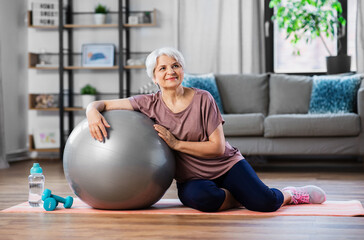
(155, 82)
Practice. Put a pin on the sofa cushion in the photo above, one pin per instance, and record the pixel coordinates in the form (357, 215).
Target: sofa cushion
(205, 82)
(243, 93)
(250, 124)
(289, 94)
(312, 125)
(334, 94)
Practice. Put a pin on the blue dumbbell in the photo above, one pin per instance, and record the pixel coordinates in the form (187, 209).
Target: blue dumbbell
(50, 204)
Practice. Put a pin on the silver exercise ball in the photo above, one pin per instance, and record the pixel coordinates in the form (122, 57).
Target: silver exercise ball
(132, 169)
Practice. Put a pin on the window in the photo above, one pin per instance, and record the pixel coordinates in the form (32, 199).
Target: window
(351, 26)
(312, 59)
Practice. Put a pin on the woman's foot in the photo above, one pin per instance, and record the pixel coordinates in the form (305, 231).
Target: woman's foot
(306, 194)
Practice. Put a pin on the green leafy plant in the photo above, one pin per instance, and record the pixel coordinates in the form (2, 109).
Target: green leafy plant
(101, 9)
(308, 19)
(88, 89)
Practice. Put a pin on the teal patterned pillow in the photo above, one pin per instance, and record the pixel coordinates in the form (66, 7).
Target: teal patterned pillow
(205, 82)
(334, 94)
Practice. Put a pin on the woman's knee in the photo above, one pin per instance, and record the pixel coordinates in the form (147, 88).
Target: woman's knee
(267, 203)
(202, 195)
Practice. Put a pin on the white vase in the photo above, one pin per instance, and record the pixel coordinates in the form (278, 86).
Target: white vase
(86, 99)
(99, 18)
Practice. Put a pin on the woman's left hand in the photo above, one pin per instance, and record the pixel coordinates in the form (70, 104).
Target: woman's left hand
(166, 135)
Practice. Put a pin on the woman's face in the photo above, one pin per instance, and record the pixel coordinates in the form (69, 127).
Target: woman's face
(168, 73)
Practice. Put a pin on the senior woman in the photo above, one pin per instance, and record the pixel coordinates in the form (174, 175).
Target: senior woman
(211, 174)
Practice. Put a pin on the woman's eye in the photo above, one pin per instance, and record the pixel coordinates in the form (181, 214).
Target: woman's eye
(162, 68)
(176, 66)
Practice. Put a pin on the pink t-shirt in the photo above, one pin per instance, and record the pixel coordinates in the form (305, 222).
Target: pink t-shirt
(196, 123)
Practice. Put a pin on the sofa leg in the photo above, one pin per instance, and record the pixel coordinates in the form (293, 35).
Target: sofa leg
(361, 160)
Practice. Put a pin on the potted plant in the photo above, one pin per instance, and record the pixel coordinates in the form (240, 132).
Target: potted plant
(308, 19)
(100, 14)
(88, 94)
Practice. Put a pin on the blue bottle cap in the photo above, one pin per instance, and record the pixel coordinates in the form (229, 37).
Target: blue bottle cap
(36, 169)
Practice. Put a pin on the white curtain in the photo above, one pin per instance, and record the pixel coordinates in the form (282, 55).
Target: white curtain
(360, 37)
(3, 161)
(221, 36)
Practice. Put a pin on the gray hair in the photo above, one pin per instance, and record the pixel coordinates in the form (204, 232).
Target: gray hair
(151, 60)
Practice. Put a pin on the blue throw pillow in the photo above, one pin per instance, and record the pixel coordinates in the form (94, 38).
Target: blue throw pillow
(334, 94)
(205, 82)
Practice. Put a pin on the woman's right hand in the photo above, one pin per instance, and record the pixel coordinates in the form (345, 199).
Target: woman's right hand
(97, 124)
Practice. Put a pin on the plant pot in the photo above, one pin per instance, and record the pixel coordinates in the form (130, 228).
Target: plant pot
(99, 18)
(338, 64)
(86, 99)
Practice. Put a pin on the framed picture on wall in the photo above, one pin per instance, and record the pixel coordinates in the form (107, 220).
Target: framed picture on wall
(98, 55)
(46, 138)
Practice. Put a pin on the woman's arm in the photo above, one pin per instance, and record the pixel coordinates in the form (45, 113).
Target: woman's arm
(214, 147)
(106, 105)
(96, 122)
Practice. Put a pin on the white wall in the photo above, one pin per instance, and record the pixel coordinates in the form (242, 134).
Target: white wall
(13, 36)
(17, 41)
(142, 39)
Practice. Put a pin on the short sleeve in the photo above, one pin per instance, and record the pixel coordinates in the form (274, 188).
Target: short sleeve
(139, 102)
(146, 104)
(212, 115)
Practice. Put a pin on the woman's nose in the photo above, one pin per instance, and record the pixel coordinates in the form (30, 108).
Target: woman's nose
(171, 70)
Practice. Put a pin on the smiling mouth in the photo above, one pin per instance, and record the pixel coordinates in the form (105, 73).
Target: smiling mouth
(172, 78)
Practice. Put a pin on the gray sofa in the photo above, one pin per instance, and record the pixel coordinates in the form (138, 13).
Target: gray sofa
(267, 114)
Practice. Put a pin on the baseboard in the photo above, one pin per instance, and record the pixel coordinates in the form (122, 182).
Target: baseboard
(19, 155)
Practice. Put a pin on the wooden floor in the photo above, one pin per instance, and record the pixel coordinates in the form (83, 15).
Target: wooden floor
(339, 183)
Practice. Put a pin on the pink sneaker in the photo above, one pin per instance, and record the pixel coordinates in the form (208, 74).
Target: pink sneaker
(306, 194)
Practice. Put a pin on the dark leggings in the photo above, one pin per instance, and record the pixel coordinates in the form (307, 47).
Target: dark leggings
(241, 181)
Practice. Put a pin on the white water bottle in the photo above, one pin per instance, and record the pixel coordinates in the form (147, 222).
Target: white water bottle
(36, 185)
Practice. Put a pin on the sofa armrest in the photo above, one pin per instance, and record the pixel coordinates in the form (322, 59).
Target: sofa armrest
(361, 101)
(360, 105)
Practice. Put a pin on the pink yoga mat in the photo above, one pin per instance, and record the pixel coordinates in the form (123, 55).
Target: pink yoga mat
(175, 207)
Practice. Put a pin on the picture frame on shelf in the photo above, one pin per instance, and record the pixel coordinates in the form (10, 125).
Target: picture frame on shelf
(46, 138)
(45, 13)
(98, 55)
(43, 101)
